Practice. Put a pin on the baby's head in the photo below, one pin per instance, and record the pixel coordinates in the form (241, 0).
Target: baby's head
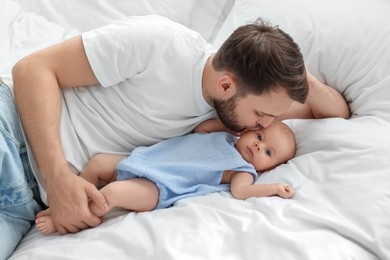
(268, 147)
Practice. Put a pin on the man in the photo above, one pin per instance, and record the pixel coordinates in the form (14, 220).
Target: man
(143, 80)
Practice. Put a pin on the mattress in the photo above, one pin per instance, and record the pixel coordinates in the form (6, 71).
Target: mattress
(341, 172)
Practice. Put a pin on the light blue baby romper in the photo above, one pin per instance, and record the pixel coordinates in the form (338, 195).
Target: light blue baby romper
(187, 166)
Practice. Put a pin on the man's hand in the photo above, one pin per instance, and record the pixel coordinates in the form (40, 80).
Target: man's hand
(68, 201)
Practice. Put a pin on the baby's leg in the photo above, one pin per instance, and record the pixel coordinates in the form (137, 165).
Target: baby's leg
(101, 167)
(136, 194)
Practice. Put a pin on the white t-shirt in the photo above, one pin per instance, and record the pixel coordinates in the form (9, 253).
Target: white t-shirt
(150, 71)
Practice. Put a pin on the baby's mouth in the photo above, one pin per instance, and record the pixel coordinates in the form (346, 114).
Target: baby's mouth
(250, 152)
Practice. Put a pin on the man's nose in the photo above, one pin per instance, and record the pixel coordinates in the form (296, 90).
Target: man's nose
(265, 121)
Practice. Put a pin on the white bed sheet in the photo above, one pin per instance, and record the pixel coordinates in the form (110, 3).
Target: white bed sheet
(341, 172)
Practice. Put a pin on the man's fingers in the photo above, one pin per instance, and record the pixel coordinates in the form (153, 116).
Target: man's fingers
(62, 230)
(97, 197)
(72, 228)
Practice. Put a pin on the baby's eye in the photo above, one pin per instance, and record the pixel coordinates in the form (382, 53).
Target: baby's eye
(267, 152)
(259, 137)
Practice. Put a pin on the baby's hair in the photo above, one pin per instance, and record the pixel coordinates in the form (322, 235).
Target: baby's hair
(290, 138)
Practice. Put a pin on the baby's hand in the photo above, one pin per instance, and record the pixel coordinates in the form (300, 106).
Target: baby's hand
(284, 191)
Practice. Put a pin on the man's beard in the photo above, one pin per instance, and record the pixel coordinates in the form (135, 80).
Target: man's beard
(227, 115)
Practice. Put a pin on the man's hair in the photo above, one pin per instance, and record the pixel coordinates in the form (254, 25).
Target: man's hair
(262, 59)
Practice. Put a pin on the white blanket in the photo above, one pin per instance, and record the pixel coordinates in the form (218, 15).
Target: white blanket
(342, 169)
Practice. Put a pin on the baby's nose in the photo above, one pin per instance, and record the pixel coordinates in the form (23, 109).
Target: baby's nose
(258, 146)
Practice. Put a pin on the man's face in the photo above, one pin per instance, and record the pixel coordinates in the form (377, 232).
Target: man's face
(252, 112)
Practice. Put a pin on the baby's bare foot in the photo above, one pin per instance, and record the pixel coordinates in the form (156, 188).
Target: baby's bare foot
(42, 213)
(45, 224)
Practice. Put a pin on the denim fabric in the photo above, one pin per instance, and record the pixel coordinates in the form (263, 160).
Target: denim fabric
(17, 183)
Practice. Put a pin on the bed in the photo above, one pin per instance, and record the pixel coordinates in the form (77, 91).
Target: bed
(341, 171)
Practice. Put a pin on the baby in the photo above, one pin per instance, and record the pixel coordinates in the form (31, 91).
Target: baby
(155, 177)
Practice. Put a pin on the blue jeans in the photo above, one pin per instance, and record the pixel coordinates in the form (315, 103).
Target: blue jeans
(17, 183)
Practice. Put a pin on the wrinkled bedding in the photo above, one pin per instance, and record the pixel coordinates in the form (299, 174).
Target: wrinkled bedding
(341, 172)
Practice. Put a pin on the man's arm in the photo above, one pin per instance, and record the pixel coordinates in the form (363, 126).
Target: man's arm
(322, 102)
(242, 187)
(210, 125)
(37, 82)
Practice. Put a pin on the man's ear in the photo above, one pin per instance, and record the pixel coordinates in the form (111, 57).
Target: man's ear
(226, 86)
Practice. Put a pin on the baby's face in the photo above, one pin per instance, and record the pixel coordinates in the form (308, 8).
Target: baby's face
(267, 147)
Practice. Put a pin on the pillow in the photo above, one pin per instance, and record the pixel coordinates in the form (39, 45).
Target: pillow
(24, 32)
(345, 44)
(341, 176)
(208, 17)
(201, 16)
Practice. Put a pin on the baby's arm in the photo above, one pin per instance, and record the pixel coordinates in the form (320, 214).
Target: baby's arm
(242, 187)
